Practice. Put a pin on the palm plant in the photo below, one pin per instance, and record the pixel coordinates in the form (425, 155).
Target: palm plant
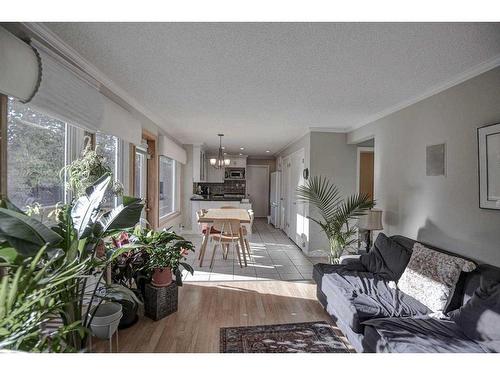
(335, 212)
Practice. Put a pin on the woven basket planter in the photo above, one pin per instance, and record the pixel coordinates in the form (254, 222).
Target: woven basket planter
(160, 301)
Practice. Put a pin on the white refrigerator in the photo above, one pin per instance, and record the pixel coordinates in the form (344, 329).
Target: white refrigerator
(275, 198)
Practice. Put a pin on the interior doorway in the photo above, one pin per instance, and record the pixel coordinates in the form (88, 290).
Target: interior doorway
(295, 220)
(140, 175)
(366, 171)
(258, 188)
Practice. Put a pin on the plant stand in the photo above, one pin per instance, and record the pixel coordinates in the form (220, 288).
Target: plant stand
(160, 301)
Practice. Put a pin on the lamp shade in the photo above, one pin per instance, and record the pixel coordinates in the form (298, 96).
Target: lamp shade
(371, 221)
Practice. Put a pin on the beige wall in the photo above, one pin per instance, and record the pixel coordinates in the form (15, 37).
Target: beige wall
(333, 158)
(441, 210)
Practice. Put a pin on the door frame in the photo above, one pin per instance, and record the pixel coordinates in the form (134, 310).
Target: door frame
(267, 185)
(152, 205)
(358, 161)
(289, 194)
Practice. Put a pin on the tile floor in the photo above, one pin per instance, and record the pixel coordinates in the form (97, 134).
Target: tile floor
(274, 257)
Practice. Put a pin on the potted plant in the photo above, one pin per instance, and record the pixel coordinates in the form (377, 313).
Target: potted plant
(166, 252)
(86, 170)
(105, 318)
(127, 275)
(334, 211)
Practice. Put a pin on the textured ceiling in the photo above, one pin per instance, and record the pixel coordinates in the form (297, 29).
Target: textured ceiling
(264, 84)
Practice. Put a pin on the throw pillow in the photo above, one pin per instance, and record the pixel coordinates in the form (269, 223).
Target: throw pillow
(479, 318)
(431, 276)
(386, 259)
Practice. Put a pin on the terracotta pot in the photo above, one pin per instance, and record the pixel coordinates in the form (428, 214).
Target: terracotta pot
(162, 277)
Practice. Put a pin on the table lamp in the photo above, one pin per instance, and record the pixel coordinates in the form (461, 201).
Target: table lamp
(369, 222)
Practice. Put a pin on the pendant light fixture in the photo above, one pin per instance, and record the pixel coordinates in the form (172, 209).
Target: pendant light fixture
(220, 162)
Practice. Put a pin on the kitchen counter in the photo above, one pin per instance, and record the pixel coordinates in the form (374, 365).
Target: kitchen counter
(212, 198)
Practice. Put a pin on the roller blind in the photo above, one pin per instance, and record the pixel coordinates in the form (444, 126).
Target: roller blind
(119, 122)
(19, 69)
(64, 95)
(170, 149)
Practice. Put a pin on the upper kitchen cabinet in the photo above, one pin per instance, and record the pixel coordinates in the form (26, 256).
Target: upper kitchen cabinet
(213, 174)
(238, 162)
(200, 162)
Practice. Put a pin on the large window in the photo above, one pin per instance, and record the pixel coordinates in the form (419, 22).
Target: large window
(36, 153)
(109, 147)
(167, 186)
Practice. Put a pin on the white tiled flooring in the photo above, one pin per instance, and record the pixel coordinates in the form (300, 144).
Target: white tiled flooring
(273, 257)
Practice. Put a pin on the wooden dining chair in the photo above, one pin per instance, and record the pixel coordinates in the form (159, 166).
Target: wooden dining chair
(206, 229)
(246, 229)
(229, 234)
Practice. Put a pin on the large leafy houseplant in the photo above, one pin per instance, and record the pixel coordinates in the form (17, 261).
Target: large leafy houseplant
(81, 228)
(166, 251)
(335, 212)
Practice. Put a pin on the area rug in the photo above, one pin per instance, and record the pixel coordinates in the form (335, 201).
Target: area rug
(309, 337)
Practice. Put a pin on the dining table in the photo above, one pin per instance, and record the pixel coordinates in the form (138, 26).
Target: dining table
(212, 214)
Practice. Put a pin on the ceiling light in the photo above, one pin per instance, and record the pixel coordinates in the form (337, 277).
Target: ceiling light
(241, 154)
(220, 161)
(268, 151)
(242, 148)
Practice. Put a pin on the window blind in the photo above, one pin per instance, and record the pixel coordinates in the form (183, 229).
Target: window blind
(64, 95)
(19, 70)
(170, 149)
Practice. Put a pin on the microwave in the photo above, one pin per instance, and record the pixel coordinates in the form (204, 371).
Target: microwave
(234, 174)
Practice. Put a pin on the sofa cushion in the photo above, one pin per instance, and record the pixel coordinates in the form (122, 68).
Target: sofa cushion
(431, 276)
(386, 258)
(479, 318)
(418, 335)
(355, 296)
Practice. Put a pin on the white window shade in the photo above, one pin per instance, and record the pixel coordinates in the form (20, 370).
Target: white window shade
(120, 123)
(64, 95)
(172, 150)
(19, 69)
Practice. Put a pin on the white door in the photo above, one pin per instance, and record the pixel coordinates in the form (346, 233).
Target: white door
(295, 215)
(257, 177)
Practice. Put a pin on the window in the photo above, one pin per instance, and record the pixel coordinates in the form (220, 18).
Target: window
(109, 147)
(36, 153)
(140, 173)
(167, 186)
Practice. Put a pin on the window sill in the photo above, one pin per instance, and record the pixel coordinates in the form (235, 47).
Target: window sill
(165, 219)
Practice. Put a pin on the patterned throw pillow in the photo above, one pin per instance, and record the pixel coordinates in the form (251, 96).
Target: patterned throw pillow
(430, 277)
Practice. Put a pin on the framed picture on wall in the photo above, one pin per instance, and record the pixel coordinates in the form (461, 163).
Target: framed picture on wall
(488, 138)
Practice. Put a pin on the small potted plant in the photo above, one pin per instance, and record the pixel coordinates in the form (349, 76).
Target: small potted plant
(166, 254)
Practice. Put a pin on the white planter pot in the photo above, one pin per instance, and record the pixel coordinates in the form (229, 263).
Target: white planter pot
(106, 319)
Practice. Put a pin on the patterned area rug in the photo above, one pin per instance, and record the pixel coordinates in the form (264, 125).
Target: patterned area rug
(310, 337)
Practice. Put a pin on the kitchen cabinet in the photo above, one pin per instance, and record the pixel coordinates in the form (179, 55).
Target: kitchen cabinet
(214, 174)
(199, 164)
(238, 162)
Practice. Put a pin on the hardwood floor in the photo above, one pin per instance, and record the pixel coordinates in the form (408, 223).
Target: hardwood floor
(276, 287)
(205, 307)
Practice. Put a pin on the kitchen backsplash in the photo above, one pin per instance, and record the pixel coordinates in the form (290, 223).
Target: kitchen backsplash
(228, 187)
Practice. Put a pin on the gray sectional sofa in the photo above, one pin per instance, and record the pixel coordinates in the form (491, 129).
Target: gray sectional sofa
(376, 316)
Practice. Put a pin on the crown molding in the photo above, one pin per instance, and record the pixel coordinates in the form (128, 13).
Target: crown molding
(436, 89)
(44, 35)
(319, 129)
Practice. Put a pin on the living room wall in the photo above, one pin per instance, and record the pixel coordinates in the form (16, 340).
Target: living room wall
(333, 158)
(440, 210)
